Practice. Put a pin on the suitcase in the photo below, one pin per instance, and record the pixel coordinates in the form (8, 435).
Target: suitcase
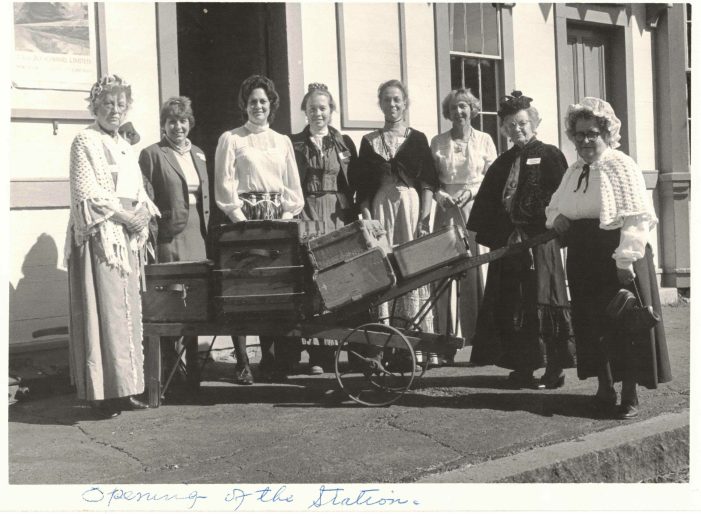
(346, 242)
(444, 246)
(177, 291)
(359, 277)
(260, 267)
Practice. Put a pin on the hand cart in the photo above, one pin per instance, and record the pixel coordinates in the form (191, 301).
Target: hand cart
(363, 367)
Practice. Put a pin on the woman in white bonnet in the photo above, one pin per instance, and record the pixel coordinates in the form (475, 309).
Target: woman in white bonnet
(602, 211)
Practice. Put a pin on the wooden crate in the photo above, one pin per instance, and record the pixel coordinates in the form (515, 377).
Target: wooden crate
(444, 246)
(346, 242)
(260, 267)
(360, 277)
(177, 291)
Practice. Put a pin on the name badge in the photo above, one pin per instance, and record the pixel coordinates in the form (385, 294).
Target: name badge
(201, 156)
(344, 155)
(533, 160)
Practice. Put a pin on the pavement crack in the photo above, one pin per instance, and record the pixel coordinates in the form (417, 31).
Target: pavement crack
(119, 449)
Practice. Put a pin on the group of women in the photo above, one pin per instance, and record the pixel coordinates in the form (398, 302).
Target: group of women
(522, 320)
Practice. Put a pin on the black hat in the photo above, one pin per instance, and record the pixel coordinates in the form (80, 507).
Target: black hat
(511, 104)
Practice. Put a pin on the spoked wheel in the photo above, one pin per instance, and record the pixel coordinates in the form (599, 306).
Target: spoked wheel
(364, 370)
(405, 324)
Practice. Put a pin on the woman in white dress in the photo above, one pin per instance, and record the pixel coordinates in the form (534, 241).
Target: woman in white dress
(255, 178)
(462, 156)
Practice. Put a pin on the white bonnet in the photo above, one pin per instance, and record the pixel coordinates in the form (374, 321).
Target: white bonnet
(599, 108)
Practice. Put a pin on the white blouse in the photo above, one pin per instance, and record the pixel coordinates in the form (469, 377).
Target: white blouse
(249, 159)
(460, 163)
(587, 205)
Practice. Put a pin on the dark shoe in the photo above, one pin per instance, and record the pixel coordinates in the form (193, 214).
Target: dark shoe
(243, 375)
(552, 381)
(520, 380)
(627, 411)
(131, 403)
(105, 409)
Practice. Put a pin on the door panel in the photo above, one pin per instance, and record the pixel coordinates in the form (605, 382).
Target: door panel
(589, 53)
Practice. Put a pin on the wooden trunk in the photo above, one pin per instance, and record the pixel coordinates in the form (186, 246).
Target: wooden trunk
(444, 246)
(361, 276)
(346, 242)
(177, 291)
(260, 268)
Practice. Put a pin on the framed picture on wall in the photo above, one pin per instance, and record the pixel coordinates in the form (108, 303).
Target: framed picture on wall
(56, 58)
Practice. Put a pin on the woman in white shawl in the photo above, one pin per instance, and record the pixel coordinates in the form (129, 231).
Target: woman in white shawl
(107, 229)
(602, 210)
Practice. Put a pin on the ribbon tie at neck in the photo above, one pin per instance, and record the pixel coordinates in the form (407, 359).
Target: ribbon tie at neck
(584, 175)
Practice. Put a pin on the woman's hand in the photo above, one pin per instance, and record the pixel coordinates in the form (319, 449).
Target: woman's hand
(139, 220)
(443, 199)
(365, 211)
(287, 215)
(424, 228)
(464, 198)
(625, 275)
(561, 224)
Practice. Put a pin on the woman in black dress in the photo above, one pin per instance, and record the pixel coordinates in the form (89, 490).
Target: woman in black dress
(524, 322)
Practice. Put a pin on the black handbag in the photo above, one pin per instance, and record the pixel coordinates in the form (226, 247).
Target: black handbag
(627, 309)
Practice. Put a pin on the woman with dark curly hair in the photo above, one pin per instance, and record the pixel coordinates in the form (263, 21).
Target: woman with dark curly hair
(256, 178)
(604, 214)
(524, 322)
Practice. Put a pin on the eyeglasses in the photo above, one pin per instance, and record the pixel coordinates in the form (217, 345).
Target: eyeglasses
(590, 136)
(520, 124)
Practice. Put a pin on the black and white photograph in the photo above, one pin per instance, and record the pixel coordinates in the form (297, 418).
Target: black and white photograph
(351, 256)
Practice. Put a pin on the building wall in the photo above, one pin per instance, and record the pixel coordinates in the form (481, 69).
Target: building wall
(534, 64)
(39, 207)
(321, 62)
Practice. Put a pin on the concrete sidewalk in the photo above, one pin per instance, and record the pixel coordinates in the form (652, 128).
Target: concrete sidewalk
(460, 424)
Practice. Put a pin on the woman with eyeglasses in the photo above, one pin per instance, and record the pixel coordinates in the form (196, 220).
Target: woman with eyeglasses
(603, 212)
(524, 321)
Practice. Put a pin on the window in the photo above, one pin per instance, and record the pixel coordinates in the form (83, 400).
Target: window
(475, 59)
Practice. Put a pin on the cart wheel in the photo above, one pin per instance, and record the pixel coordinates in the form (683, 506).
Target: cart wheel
(371, 364)
(405, 324)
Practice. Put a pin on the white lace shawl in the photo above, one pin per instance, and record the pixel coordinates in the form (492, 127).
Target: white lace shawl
(94, 201)
(623, 191)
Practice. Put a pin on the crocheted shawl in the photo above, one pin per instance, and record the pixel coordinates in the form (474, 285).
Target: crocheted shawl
(623, 191)
(94, 201)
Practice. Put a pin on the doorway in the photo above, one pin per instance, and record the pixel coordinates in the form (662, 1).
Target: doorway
(589, 50)
(219, 45)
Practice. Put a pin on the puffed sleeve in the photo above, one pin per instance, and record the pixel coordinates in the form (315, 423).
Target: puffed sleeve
(292, 196)
(225, 179)
(552, 210)
(634, 234)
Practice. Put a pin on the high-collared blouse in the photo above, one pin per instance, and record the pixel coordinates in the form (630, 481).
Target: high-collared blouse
(250, 160)
(576, 200)
(459, 162)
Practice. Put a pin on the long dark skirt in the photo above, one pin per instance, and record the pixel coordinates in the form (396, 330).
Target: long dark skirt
(524, 322)
(593, 282)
